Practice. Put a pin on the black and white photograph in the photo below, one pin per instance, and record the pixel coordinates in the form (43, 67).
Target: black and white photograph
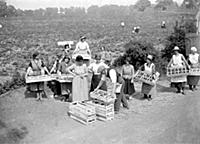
(99, 71)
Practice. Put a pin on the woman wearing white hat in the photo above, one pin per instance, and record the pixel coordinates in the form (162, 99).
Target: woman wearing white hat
(178, 60)
(149, 68)
(193, 61)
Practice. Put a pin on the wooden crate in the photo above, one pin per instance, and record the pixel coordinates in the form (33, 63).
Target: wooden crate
(65, 78)
(144, 77)
(194, 72)
(103, 96)
(104, 112)
(82, 112)
(179, 71)
(40, 78)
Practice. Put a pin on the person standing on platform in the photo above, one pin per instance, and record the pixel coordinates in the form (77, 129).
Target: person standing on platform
(128, 73)
(94, 69)
(194, 62)
(80, 82)
(82, 49)
(178, 61)
(36, 68)
(148, 90)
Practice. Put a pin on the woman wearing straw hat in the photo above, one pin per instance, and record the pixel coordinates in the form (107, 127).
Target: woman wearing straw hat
(178, 60)
(149, 68)
(193, 61)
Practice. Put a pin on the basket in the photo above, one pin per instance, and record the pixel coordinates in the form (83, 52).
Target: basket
(194, 72)
(144, 77)
(177, 71)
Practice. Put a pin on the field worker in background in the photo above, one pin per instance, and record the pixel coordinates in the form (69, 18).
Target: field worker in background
(178, 61)
(116, 79)
(93, 68)
(122, 24)
(82, 49)
(136, 29)
(193, 61)
(148, 90)
(80, 81)
(163, 24)
(128, 73)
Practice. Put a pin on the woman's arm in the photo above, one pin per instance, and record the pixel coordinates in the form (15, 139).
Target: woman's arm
(184, 60)
(70, 70)
(88, 49)
(28, 71)
(76, 49)
(170, 62)
(103, 79)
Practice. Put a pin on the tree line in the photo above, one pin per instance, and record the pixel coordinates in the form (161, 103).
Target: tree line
(106, 11)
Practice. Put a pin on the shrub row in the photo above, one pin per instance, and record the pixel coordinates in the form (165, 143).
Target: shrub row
(16, 81)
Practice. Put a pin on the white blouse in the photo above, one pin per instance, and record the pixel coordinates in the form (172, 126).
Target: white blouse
(194, 58)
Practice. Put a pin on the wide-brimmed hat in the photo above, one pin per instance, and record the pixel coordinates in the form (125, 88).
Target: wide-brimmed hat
(82, 37)
(194, 49)
(150, 57)
(176, 48)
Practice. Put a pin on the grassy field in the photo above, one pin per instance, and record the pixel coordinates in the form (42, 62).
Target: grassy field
(21, 36)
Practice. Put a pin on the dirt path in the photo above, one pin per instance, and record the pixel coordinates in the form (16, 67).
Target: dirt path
(169, 118)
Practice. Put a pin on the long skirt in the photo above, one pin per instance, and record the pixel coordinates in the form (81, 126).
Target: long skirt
(129, 87)
(79, 89)
(193, 80)
(149, 89)
(178, 82)
(36, 87)
(95, 82)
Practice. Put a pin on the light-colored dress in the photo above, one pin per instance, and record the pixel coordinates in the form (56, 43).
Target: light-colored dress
(146, 88)
(194, 62)
(177, 62)
(82, 48)
(79, 85)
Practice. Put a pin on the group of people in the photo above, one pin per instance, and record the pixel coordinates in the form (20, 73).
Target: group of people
(179, 61)
(103, 70)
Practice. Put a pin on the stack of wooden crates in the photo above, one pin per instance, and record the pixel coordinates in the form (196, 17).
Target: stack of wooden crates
(101, 107)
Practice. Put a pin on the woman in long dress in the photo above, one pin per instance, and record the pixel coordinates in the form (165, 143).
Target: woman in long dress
(127, 74)
(80, 81)
(148, 90)
(36, 68)
(193, 61)
(178, 61)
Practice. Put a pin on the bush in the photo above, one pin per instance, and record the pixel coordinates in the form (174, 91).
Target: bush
(16, 82)
(137, 51)
(177, 38)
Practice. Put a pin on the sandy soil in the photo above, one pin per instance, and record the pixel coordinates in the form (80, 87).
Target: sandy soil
(169, 118)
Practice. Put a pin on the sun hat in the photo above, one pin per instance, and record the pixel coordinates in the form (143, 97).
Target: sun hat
(176, 48)
(194, 49)
(82, 37)
(150, 57)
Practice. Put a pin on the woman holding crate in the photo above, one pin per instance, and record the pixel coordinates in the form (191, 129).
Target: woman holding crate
(178, 61)
(193, 61)
(80, 82)
(149, 68)
(128, 73)
(36, 68)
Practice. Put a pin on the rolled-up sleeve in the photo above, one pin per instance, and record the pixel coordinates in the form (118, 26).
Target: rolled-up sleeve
(113, 76)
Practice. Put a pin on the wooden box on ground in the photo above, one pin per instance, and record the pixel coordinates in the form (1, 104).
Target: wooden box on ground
(104, 112)
(181, 71)
(82, 112)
